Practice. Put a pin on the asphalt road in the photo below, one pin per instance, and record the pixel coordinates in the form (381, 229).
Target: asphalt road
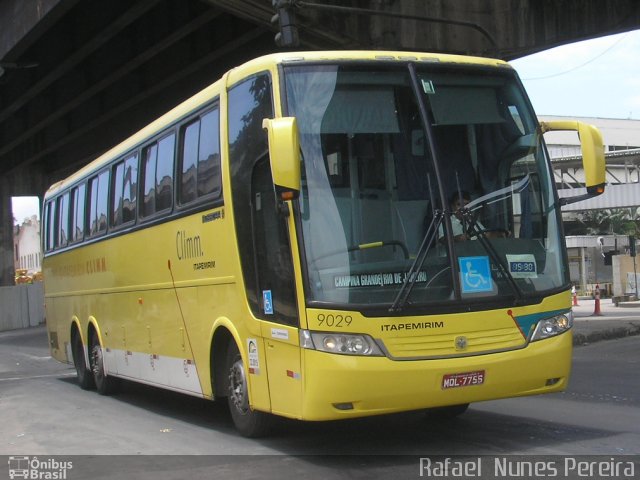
(45, 413)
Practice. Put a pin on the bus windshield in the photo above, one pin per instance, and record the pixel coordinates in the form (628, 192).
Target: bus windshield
(422, 187)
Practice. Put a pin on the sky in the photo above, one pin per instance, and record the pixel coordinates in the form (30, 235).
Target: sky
(594, 78)
(24, 207)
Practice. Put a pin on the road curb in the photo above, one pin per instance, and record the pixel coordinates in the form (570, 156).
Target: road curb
(580, 339)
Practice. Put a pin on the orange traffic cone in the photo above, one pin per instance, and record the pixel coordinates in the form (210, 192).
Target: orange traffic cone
(596, 308)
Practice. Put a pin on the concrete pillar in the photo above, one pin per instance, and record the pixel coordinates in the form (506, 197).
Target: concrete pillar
(28, 181)
(583, 270)
(7, 274)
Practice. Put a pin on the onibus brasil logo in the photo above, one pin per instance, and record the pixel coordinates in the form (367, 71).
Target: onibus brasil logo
(34, 468)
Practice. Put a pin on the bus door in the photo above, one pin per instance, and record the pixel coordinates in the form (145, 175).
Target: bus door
(276, 294)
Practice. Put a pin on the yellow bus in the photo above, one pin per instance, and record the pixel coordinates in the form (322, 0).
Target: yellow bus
(285, 239)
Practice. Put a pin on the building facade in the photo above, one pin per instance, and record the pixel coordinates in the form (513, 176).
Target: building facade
(26, 246)
(592, 254)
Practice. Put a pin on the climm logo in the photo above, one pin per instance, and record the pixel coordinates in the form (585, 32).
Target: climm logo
(188, 246)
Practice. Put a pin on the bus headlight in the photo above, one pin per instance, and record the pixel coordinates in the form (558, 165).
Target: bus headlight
(341, 343)
(550, 327)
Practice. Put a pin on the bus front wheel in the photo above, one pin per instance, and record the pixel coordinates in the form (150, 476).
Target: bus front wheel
(105, 384)
(250, 423)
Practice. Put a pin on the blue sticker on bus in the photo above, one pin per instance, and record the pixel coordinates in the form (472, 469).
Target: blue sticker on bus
(267, 302)
(475, 274)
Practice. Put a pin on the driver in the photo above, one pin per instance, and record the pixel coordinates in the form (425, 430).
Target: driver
(456, 202)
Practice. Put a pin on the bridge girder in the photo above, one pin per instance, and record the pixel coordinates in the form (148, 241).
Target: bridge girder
(78, 76)
(505, 29)
(101, 70)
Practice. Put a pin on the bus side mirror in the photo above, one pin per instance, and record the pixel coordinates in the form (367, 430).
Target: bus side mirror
(284, 154)
(592, 156)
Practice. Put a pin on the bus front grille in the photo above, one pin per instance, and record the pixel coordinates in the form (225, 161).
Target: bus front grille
(458, 344)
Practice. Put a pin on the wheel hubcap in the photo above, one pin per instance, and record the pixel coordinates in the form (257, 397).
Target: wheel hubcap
(238, 388)
(96, 355)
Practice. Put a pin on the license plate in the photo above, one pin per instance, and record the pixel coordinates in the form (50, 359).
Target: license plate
(466, 379)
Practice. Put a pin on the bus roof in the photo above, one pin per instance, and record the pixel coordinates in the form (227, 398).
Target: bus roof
(266, 62)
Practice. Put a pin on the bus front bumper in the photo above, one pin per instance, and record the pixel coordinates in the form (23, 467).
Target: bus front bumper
(341, 386)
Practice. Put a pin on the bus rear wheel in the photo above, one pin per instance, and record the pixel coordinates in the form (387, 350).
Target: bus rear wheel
(105, 384)
(250, 423)
(84, 375)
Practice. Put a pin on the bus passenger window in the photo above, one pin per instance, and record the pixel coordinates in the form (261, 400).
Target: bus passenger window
(164, 173)
(209, 155)
(129, 189)
(200, 172)
(50, 224)
(150, 156)
(157, 176)
(116, 195)
(98, 190)
(189, 162)
(77, 213)
(63, 220)
(123, 197)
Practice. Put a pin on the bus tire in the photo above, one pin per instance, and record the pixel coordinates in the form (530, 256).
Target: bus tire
(105, 385)
(84, 374)
(249, 423)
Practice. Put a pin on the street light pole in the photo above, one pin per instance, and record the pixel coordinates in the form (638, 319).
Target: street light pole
(632, 252)
(635, 276)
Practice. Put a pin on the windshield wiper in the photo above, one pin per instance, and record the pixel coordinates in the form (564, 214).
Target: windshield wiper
(470, 214)
(500, 194)
(479, 233)
(412, 275)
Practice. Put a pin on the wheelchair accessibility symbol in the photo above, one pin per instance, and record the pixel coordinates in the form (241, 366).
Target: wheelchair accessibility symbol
(267, 302)
(475, 274)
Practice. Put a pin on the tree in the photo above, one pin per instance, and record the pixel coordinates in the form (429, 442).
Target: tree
(595, 222)
(618, 221)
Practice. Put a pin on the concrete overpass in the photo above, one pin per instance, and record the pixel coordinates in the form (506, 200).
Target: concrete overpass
(76, 76)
